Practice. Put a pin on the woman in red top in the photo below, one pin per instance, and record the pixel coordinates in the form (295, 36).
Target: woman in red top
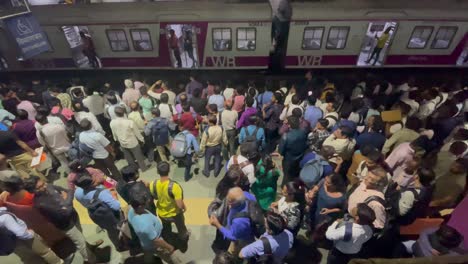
(15, 192)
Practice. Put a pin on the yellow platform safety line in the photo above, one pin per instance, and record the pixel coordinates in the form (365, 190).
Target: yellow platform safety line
(196, 211)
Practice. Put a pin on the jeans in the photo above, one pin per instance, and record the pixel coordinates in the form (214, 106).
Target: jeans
(188, 166)
(107, 166)
(39, 246)
(177, 57)
(209, 153)
(132, 154)
(179, 221)
(375, 52)
(271, 137)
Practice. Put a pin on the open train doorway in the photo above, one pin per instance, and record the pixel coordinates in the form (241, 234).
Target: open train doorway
(379, 36)
(182, 43)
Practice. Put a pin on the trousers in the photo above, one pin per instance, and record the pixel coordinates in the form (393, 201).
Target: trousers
(132, 154)
(107, 166)
(39, 246)
(214, 152)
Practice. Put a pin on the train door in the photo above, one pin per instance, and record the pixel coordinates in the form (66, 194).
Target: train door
(463, 58)
(182, 43)
(374, 48)
(82, 46)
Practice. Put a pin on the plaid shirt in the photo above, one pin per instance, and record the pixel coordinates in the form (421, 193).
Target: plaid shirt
(316, 139)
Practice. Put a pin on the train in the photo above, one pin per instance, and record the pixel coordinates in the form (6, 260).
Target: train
(233, 35)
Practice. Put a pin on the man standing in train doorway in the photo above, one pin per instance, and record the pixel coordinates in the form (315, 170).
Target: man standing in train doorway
(381, 41)
(174, 45)
(282, 13)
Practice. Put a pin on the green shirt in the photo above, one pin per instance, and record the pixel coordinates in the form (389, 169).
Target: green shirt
(264, 188)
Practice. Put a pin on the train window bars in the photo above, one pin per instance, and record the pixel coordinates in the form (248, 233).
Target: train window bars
(444, 37)
(246, 39)
(420, 37)
(337, 37)
(117, 40)
(312, 38)
(222, 39)
(141, 39)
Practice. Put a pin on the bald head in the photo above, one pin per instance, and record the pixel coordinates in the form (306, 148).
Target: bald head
(236, 197)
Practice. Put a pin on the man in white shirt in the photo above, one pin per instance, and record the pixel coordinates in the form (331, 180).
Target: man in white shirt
(217, 99)
(167, 110)
(81, 114)
(54, 138)
(103, 153)
(348, 237)
(171, 95)
(94, 102)
(287, 111)
(244, 163)
(127, 134)
(342, 141)
(113, 102)
(228, 120)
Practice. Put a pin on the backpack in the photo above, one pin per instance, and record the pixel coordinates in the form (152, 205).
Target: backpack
(7, 238)
(71, 126)
(99, 211)
(252, 138)
(388, 205)
(312, 171)
(179, 146)
(255, 214)
(267, 257)
(160, 132)
(170, 189)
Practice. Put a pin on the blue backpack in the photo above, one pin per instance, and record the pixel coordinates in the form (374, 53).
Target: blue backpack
(160, 132)
(312, 171)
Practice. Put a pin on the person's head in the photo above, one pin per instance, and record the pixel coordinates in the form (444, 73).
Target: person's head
(186, 108)
(249, 101)
(331, 107)
(129, 173)
(22, 114)
(172, 33)
(308, 75)
(217, 89)
(128, 83)
(294, 191)
(413, 123)
(111, 98)
(43, 110)
(213, 108)
(41, 119)
(164, 98)
(293, 122)
(163, 168)
(12, 184)
(459, 166)
(276, 98)
(236, 197)
(322, 124)
(335, 183)
(76, 166)
(311, 100)
(295, 100)
(274, 223)
(224, 258)
(425, 176)
(119, 111)
(327, 152)
(448, 237)
(373, 156)
(139, 201)
(155, 112)
(183, 98)
(85, 124)
(212, 120)
(227, 105)
(144, 90)
(344, 132)
(297, 112)
(84, 180)
(458, 148)
(134, 106)
(376, 179)
(377, 125)
(420, 144)
(365, 215)
(245, 150)
(34, 184)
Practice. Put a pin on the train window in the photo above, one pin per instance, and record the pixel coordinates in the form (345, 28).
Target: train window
(312, 39)
(222, 39)
(141, 39)
(420, 36)
(337, 37)
(444, 37)
(117, 40)
(246, 38)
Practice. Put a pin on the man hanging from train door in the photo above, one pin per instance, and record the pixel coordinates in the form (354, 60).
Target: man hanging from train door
(174, 46)
(281, 16)
(88, 49)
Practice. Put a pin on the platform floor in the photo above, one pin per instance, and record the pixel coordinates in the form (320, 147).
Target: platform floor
(198, 193)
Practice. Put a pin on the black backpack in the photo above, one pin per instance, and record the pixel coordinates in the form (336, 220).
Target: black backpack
(251, 138)
(169, 189)
(255, 214)
(7, 238)
(99, 211)
(267, 257)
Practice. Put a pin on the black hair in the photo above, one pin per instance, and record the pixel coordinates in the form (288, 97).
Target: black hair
(295, 99)
(413, 123)
(76, 166)
(43, 110)
(14, 184)
(338, 182)
(129, 173)
(164, 98)
(293, 122)
(212, 119)
(163, 168)
(346, 131)
(253, 120)
(231, 179)
(213, 107)
(297, 189)
(138, 199)
(278, 96)
(366, 214)
(378, 125)
(297, 112)
(22, 114)
(275, 222)
(448, 236)
(249, 101)
(83, 180)
(111, 98)
(224, 257)
(311, 100)
(186, 107)
(324, 122)
(31, 183)
(155, 111)
(41, 119)
(426, 176)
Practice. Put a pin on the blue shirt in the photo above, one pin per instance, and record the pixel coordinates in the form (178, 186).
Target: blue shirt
(146, 226)
(192, 143)
(15, 225)
(218, 100)
(260, 134)
(327, 169)
(280, 246)
(264, 98)
(105, 196)
(238, 228)
(312, 115)
(377, 140)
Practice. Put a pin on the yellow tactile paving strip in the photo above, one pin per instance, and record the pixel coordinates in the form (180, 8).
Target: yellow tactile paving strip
(196, 211)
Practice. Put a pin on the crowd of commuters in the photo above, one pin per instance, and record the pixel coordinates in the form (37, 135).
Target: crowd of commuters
(358, 161)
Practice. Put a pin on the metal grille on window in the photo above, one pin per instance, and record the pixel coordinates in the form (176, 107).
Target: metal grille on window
(419, 37)
(312, 38)
(222, 39)
(141, 40)
(337, 37)
(444, 37)
(118, 40)
(246, 39)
